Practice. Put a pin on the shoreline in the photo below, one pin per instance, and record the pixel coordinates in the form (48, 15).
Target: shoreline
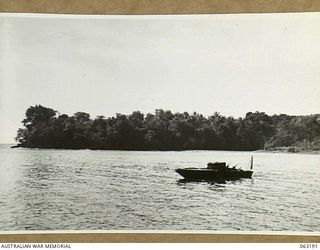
(133, 149)
(288, 150)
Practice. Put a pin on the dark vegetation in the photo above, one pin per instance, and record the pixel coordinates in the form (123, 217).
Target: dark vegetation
(164, 130)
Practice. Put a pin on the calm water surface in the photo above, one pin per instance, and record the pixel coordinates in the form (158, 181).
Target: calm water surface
(124, 190)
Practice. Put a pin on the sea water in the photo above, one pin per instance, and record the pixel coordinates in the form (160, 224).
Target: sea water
(47, 189)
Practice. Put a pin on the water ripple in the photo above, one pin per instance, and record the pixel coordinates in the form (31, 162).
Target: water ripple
(114, 190)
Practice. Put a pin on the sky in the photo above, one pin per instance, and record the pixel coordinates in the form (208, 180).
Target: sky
(232, 64)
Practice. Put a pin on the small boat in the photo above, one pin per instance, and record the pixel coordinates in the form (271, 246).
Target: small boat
(215, 171)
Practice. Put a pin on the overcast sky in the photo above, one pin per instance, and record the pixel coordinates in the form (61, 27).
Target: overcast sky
(232, 64)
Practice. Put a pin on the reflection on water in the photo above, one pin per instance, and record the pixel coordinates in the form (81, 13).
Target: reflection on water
(123, 190)
(207, 181)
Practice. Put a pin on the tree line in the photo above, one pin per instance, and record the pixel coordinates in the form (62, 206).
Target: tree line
(164, 130)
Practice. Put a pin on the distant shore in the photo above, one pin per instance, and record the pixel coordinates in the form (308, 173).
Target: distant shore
(289, 150)
(122, 149)
(167, 131)
(271, 150)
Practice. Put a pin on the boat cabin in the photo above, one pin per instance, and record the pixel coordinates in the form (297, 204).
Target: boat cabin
(217, 165)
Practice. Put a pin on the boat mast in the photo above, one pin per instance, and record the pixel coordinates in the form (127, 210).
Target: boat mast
(251, 165)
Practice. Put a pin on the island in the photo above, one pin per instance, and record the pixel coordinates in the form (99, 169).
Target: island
(46, 128)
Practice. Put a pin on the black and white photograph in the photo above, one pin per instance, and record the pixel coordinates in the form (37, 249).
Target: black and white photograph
(160, 123)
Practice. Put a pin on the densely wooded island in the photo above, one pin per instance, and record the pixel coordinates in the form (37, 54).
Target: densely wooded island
(164, 130)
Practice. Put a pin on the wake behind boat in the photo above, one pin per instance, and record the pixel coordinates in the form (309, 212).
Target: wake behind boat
(215, 171)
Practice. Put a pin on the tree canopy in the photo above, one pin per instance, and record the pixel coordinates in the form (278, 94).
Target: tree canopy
(164, 130)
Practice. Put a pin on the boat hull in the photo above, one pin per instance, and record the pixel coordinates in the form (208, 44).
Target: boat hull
(207, 174)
